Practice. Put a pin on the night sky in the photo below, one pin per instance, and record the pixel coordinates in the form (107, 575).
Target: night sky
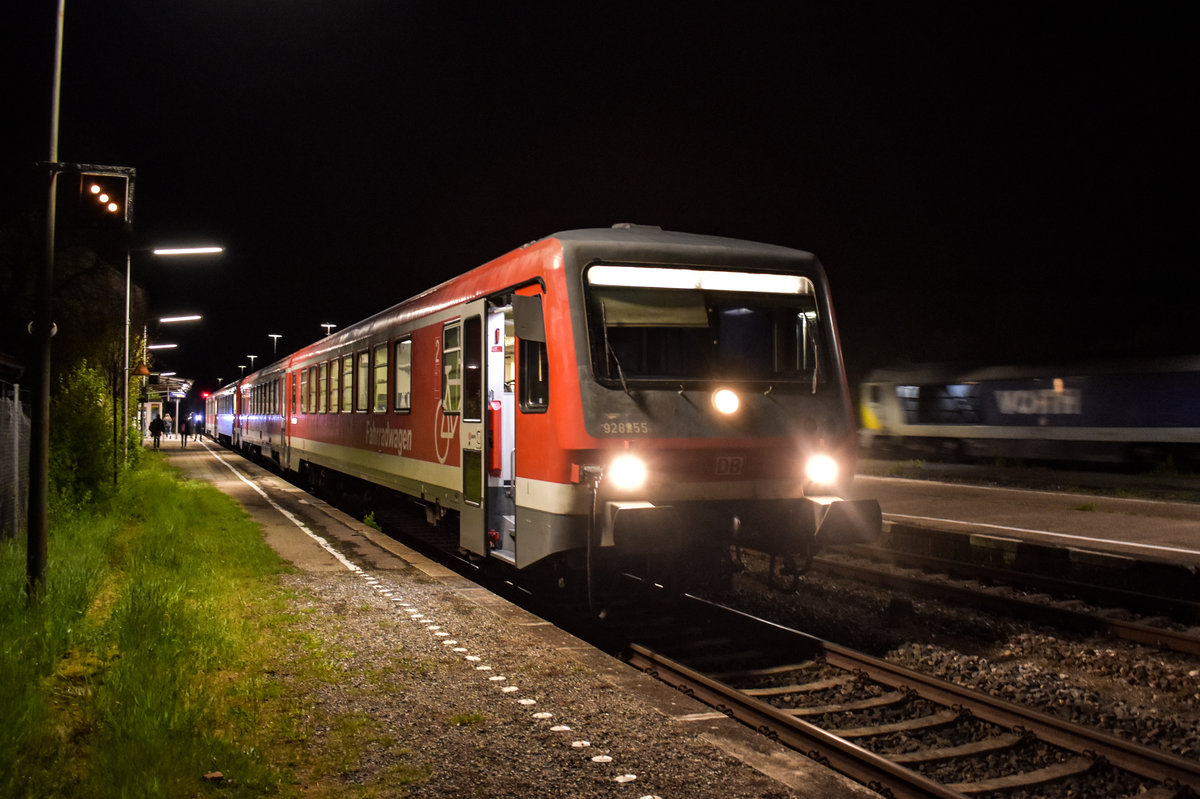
(993, 182)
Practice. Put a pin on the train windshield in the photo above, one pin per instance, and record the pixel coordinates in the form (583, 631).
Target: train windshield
(681, 325)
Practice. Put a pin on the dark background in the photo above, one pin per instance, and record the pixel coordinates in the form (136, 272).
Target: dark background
(984, 181)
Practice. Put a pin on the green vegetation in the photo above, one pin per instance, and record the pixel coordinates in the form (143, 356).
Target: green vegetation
(466, 719)
(82, 409)
(158, 656)
(369, 521)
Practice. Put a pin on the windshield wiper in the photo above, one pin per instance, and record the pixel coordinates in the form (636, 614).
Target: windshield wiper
(610, 356)
(816, 366)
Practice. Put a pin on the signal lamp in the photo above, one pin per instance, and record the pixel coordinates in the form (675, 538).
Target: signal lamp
(104, 200)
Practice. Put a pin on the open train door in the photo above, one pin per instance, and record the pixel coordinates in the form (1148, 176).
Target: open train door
(286, 382)
(500, 433)
(471, 370)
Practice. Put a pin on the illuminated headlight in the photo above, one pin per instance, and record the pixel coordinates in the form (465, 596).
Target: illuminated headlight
(725, 401)
(821, 469)
(627, 472)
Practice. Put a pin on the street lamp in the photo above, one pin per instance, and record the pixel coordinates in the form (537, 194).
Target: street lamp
(167, 251)
(328, 326)
(252, 357)
(188, 250)
(274, 344)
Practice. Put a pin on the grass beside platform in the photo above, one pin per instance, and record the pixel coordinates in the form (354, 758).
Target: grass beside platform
(152, 661)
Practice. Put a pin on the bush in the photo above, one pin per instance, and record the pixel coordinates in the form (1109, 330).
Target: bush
(81, 445)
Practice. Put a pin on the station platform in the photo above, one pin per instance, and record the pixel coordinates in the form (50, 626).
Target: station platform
(1124, 531)
(562, 718)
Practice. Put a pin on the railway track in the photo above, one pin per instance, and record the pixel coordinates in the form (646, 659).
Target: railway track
(920, 737)
(1043, 609)
(895, 730)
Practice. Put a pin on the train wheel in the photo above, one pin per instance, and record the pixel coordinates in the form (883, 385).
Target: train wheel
(785, 576)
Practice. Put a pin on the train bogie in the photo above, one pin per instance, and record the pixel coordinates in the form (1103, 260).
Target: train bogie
(593, 396)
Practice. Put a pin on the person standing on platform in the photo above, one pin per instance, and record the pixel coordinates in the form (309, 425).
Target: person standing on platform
(156, 429)
(185, 427)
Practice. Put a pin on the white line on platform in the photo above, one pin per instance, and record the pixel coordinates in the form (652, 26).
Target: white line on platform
(285, 512)
(1156, 547)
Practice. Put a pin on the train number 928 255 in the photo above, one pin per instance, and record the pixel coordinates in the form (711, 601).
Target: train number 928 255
(625, 428)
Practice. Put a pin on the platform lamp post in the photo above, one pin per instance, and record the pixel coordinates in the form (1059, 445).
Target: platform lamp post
(41, 329)
(328, 327)
(141, 370)
(161, 252)
(274, 344)
(251, 357)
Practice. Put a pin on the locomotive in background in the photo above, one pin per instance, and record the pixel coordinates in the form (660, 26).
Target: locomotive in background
(591, 399)
(1137, 413)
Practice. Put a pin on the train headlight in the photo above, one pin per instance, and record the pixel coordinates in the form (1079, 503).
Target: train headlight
(627, 472)
(725, 401)
(821, 469)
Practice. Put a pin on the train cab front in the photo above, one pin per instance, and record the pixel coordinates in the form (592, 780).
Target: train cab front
(720, 401)
(682, 513)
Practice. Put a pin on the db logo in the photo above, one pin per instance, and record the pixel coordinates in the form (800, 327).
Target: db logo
(729, 465)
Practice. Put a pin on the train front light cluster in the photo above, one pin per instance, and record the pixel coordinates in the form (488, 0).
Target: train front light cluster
(821, 470)
(627, 472)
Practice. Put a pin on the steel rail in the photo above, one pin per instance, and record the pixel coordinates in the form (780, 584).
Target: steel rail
(1182, 610)
(872, 770)
(1173, 640)
(1144, 761)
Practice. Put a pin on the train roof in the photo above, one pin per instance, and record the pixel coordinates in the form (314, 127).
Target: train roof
(625, 241)
(645, 242)
(970, 373)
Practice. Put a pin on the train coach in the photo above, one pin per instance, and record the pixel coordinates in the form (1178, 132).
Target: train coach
(1115, 412)
(592, 397)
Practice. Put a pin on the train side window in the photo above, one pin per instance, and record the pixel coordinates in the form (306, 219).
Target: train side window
(472, 362)
(452, 368)
(322, 387)
(380, 368)
(404, 375)
(335, 394)
(295, 381)
(534, 380)
(348, 384)
(303, 406)
(362, 374)
(312, 389)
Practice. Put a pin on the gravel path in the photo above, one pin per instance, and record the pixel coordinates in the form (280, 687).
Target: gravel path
(474, 707)
(459, 699)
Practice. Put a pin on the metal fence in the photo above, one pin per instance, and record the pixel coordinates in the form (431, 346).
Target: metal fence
(14, 460)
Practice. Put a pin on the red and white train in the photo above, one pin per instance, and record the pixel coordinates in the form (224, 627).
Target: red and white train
(589, 397)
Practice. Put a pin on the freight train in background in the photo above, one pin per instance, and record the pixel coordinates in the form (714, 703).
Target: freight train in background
(591, 400)
(1134, 413)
